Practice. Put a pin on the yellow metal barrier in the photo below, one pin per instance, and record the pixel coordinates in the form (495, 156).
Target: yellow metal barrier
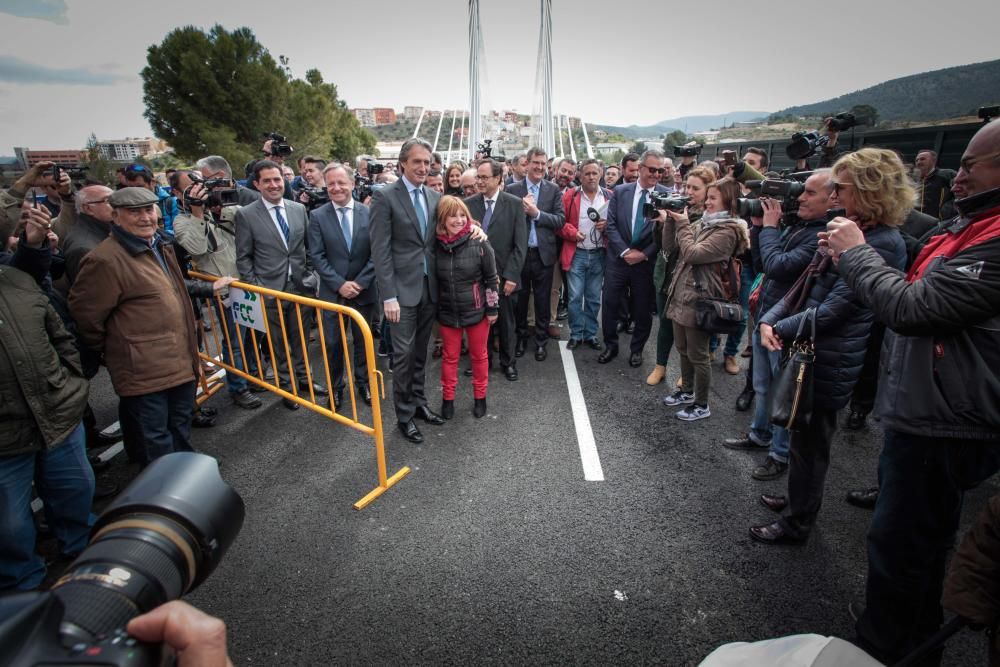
(246, 313)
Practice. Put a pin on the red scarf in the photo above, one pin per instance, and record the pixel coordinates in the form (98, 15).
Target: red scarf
(948, 245)
(444, 238)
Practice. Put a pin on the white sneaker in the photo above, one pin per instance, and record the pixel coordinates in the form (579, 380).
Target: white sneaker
(679, 397)
(693, 413)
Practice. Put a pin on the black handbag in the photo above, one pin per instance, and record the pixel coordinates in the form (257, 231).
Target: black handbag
(792, 393)
(722, 316)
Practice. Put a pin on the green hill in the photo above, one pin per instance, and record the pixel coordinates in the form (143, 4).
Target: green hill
(943, 93)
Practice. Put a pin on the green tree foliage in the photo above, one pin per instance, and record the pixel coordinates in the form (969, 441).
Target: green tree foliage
(219, 92)
(675, 138)
(638, 147)
(866, 112)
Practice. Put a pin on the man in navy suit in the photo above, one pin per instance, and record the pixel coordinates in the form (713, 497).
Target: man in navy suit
(631, 255)
(341, 253)
(543, 215)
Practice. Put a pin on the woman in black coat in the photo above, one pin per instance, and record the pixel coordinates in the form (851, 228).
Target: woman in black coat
(468, 301)
(872, 186)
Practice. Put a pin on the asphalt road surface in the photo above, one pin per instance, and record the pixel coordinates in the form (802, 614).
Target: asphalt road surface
(497, 550)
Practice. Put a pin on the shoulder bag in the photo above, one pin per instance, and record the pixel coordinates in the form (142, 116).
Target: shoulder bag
(722, 316)
(792, 392)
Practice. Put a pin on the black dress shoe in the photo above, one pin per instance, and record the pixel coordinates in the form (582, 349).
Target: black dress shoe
(519, 349)
(635, 359)
(595, 344)
(855, 420)
(479, 408)
(622, 326)
(608, 354)
(863, 498)
(246, 400)
(467, 372)
(428, 415)
(745, 398)
(562, 313)
(510, 372)
(775, 533)
(290, 404)
(540, 353)
(630, 328)
(745, 443)
(773, 503)
(447, 409)
(411, 432)
(572, 344)
(338, 398)
(366, 394)
(318, 389)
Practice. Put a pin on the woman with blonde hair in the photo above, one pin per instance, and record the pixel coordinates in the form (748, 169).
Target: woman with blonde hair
(468, 301)
(453, 179)
(873, 190)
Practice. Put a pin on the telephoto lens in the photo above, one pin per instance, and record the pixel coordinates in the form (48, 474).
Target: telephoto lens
(157, 541)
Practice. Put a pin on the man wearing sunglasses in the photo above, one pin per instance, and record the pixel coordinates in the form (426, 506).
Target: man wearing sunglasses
(631, 251)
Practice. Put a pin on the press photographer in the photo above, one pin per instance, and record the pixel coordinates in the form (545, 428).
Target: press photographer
(804, 145)
(688, 154)
(313, 192)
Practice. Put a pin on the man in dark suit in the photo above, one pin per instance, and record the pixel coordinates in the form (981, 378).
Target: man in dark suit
(340, 249)
(271, 252)
(543, 217)
(403, 217)
(502, 217)
(631, 255)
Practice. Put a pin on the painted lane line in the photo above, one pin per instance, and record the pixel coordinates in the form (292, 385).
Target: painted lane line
(592, 471)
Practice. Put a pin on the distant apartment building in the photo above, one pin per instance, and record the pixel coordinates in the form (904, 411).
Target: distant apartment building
(130, 148)
(510, 116)
(412, 113)
(67, 157)
(366, 117)
(600, 135)
(574, 123)
(384, 116)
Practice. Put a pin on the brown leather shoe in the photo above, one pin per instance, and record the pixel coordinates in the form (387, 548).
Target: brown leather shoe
(555, 331)
(775, 533)
(732, 366)
(774, 503)
(657, 375)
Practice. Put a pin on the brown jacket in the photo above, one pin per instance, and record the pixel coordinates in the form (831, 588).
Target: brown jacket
(701, 247)
(128, 309)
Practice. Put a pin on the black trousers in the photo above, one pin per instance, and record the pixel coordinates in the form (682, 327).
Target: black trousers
(335, 347)
(157, 424)
(410, 337)
(863, 398)
(505, 329)
(638, 278)
(536, 280)
(292, 334)
(809, 460)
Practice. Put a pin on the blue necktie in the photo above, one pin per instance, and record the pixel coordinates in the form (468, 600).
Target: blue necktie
(281, 223)
(421, 215)
(344, 227)
(640, 220)
(533, 235)
(488, 215)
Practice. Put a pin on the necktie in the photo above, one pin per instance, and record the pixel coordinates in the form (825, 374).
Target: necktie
(421, 215)
(533, 235)
(488, 215)
(640, 220)
(281, 223)
(344, 227)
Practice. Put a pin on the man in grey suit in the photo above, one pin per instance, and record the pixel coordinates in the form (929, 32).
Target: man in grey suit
(403, 217)
(501, 215)
(271, 252)
(543, 216)
(341, 253)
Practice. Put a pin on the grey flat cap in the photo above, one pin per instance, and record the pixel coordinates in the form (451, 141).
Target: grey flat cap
(133, 198)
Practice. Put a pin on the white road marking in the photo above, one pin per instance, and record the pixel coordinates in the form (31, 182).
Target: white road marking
(592, 471)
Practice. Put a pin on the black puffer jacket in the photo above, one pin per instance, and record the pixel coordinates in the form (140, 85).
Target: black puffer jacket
(467, 281)
(782, 255)
(842, 323)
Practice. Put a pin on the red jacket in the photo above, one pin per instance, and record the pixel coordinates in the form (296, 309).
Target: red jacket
(571, 205)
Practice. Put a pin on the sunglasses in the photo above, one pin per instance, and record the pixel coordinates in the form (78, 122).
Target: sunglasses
(655, 170)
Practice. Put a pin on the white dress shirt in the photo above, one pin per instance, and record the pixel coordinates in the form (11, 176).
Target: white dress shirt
(584, 223)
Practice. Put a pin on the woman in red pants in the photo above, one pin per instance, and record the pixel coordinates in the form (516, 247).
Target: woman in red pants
(468, 300)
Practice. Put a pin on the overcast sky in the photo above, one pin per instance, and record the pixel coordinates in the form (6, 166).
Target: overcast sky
(70, 67)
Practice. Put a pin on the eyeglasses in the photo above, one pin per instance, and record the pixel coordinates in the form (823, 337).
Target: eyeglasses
(480, 177)
(654, 170)
(967, 163)
(98, 201)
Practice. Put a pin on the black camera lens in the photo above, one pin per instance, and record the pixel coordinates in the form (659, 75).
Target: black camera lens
(159, 539)
(749, 208)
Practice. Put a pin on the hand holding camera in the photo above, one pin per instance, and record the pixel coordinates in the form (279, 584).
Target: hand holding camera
(196, 638)
(772, 212)
(37, 224)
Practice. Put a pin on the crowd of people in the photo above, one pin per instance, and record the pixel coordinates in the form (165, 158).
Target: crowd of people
(859, 268)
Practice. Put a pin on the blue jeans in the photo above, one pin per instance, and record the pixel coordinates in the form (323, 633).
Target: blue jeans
(766, 366)
(234, 383)
(922, 481)
(65, 483)
(586, 277)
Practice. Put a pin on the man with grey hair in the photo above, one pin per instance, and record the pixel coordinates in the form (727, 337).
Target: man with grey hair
(216, 166)
(93, 225)
(403, 217)
(518, 169)
(468, 182)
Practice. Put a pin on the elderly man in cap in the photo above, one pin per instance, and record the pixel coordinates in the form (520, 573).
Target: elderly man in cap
(130, 302)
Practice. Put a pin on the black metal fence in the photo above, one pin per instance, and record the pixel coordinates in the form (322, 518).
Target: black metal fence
(949, 141)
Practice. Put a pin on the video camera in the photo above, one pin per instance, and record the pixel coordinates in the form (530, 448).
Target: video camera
(161, 538)
(485, 149)
(805, 145)
(76, 173)
(221, 192)
(365, 187)
(687, 151)
(279, 144)
(659, 201)
(317, 196)
(787, 191)
(843, 121)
